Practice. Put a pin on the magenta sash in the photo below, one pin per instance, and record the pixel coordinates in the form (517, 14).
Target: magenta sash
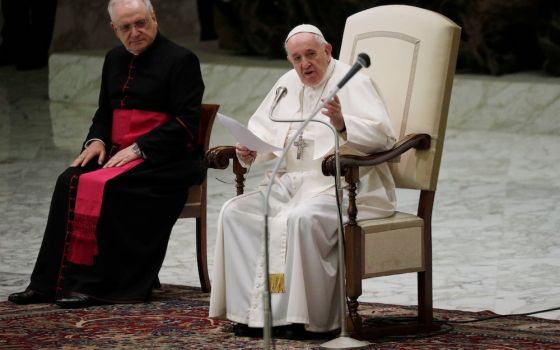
(128, 125)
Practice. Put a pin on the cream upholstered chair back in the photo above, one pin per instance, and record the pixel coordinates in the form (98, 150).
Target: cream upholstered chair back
(413, 53)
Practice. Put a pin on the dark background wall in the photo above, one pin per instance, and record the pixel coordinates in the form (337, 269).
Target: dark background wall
(498, 37)
(35, 28)
(85, 24)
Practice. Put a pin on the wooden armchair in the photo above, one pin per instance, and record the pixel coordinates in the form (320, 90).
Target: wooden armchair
(413, 53)
(196, 202)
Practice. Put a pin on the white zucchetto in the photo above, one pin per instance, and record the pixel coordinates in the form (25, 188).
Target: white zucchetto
(304, 28)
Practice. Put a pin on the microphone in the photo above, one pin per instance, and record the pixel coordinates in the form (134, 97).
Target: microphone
(362, 61)
(281, 91)
(344, 337)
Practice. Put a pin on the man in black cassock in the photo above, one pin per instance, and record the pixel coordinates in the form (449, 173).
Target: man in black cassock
(113, 210)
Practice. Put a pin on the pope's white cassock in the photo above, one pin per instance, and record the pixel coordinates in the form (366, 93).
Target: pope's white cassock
(303, 213)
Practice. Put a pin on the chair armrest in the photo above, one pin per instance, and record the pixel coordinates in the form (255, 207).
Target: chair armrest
(416, 141)
(218, 158)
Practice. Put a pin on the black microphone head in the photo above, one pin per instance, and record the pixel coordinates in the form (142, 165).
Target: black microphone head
(364, 60)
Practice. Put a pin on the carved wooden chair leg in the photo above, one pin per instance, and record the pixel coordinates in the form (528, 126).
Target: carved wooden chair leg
(354, 323)
(353, 244)
(201, 254)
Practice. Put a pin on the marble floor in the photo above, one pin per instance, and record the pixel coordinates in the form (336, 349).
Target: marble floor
(496, 219)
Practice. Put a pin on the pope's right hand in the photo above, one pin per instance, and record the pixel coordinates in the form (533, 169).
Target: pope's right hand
(96, 149)
(244, 154)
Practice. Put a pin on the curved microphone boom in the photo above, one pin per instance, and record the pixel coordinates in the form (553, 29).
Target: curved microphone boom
(281, 91)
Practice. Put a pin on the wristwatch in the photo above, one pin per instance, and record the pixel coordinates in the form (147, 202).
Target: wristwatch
(137, 150)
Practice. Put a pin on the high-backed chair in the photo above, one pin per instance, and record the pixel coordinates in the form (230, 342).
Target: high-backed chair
(413, 53)
(196, 202)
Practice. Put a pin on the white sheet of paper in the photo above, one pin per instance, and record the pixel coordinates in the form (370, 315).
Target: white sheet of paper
(245, 136)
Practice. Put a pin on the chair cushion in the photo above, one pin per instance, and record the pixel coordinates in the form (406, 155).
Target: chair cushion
(393, 245)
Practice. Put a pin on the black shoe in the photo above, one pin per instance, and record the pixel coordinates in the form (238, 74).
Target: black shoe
(297, 331)
(78, 301)
(242, 330)
(30, 297)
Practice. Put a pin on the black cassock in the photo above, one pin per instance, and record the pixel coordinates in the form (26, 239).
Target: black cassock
(141, 206)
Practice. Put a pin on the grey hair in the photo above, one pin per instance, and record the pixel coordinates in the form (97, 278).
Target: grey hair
(147, 4)
(320, 39)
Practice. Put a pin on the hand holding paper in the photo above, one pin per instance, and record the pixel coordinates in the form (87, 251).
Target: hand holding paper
(244, 154)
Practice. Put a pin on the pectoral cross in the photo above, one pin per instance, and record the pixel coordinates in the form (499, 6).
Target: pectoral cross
(300, 144)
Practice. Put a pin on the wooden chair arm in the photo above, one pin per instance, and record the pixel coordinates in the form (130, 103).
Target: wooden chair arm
(353, 234)
(416, 141)
(218, 158)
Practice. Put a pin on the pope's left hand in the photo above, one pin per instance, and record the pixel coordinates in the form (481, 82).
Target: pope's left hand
(333, 110)
(122, 157)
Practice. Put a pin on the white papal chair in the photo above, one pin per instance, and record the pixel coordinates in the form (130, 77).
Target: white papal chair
(413, 53)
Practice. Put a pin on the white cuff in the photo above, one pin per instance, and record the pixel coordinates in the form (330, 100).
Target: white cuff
(87, 143)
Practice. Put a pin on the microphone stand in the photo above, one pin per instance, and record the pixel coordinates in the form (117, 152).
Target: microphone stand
(344, 340)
